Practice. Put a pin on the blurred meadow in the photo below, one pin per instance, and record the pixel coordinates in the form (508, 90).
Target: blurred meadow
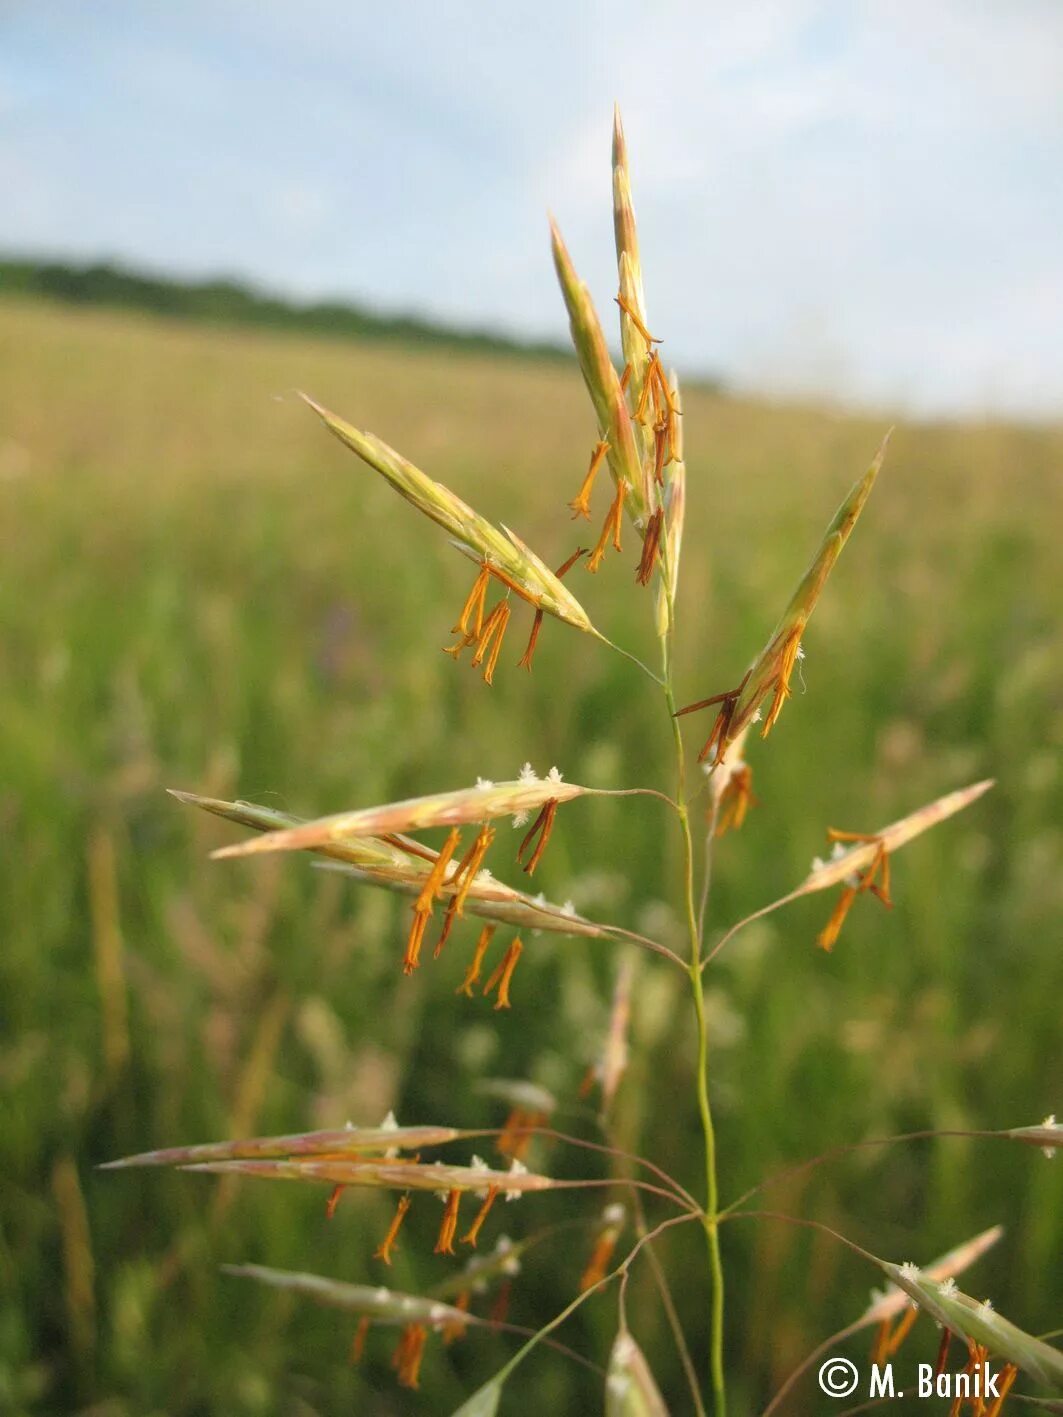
(200, 589)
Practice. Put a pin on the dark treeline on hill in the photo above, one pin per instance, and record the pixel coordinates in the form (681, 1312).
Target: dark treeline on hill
(225, 301)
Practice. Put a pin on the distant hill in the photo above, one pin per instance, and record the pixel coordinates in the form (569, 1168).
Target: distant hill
(226, 301)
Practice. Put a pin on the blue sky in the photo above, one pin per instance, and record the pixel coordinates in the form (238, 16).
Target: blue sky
(863, 200)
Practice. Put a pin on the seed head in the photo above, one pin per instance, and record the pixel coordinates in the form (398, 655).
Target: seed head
(469, 805)
(503, 553)
(614, 421)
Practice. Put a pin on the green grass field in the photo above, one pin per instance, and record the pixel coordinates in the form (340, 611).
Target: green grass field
(201, 589)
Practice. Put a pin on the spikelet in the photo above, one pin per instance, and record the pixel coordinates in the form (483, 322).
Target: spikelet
(611, 1064)
(1048, 1136)
(674, 507)
(351, 1156)
(865, 865)
(630, 1389)
(770, 672)
(379, 1305)
(503, 1262)
(401, 864)
(859, 857)
(500, 550)
(364, 1143)
(978, 1323)
(608, 1231)
(731, 787)
(633, 339)
(460, 807)
(615, 425)
(638, 414)
(385, 1174)
(371, 854)
(887, 1305)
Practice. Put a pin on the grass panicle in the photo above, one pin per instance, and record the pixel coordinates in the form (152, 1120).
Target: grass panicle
(640, 438)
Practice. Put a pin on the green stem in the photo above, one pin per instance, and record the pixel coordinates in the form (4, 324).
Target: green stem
(470, 1405)
(710, 1222)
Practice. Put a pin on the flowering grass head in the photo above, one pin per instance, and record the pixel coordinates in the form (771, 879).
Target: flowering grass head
(639, 442)
(502, 557)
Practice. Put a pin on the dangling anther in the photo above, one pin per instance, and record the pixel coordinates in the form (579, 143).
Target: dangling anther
(457, 649)
(448, 1229)
(474, 605)
(472, 974)
(635, 319)
(666, 413)
(650, 545)
(454, 1329)
(611, 527)
(406, 1360)
(625, 378)
(663, 389)
(542, 826)
(673, 455)
(566, 565)
(448, 925)
(874, 878)
(491, 637)
(533, 639)
(830, 932)
(600, 1257)
(660, 447)
(881, 891)
(468, 866)
(581, 503)
(471, 1235)
(655, 379)
(520, 1127)
(787, 659)
(422, 907)
(718, 740)
(500, 1307)
(472, 610)
(525, 661)
(414, 940)
(881, 1343)
(735, 800)
(333, 1201)
(435, 878)
(384, 1249)
(1007, 1376)
(639, 414)
(503, 974)
(358, 1342)
(901, 1332)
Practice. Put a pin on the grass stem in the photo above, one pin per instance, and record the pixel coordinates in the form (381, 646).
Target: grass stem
(716, 1356)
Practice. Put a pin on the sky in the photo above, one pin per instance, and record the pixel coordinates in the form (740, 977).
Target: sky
(853, 199)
